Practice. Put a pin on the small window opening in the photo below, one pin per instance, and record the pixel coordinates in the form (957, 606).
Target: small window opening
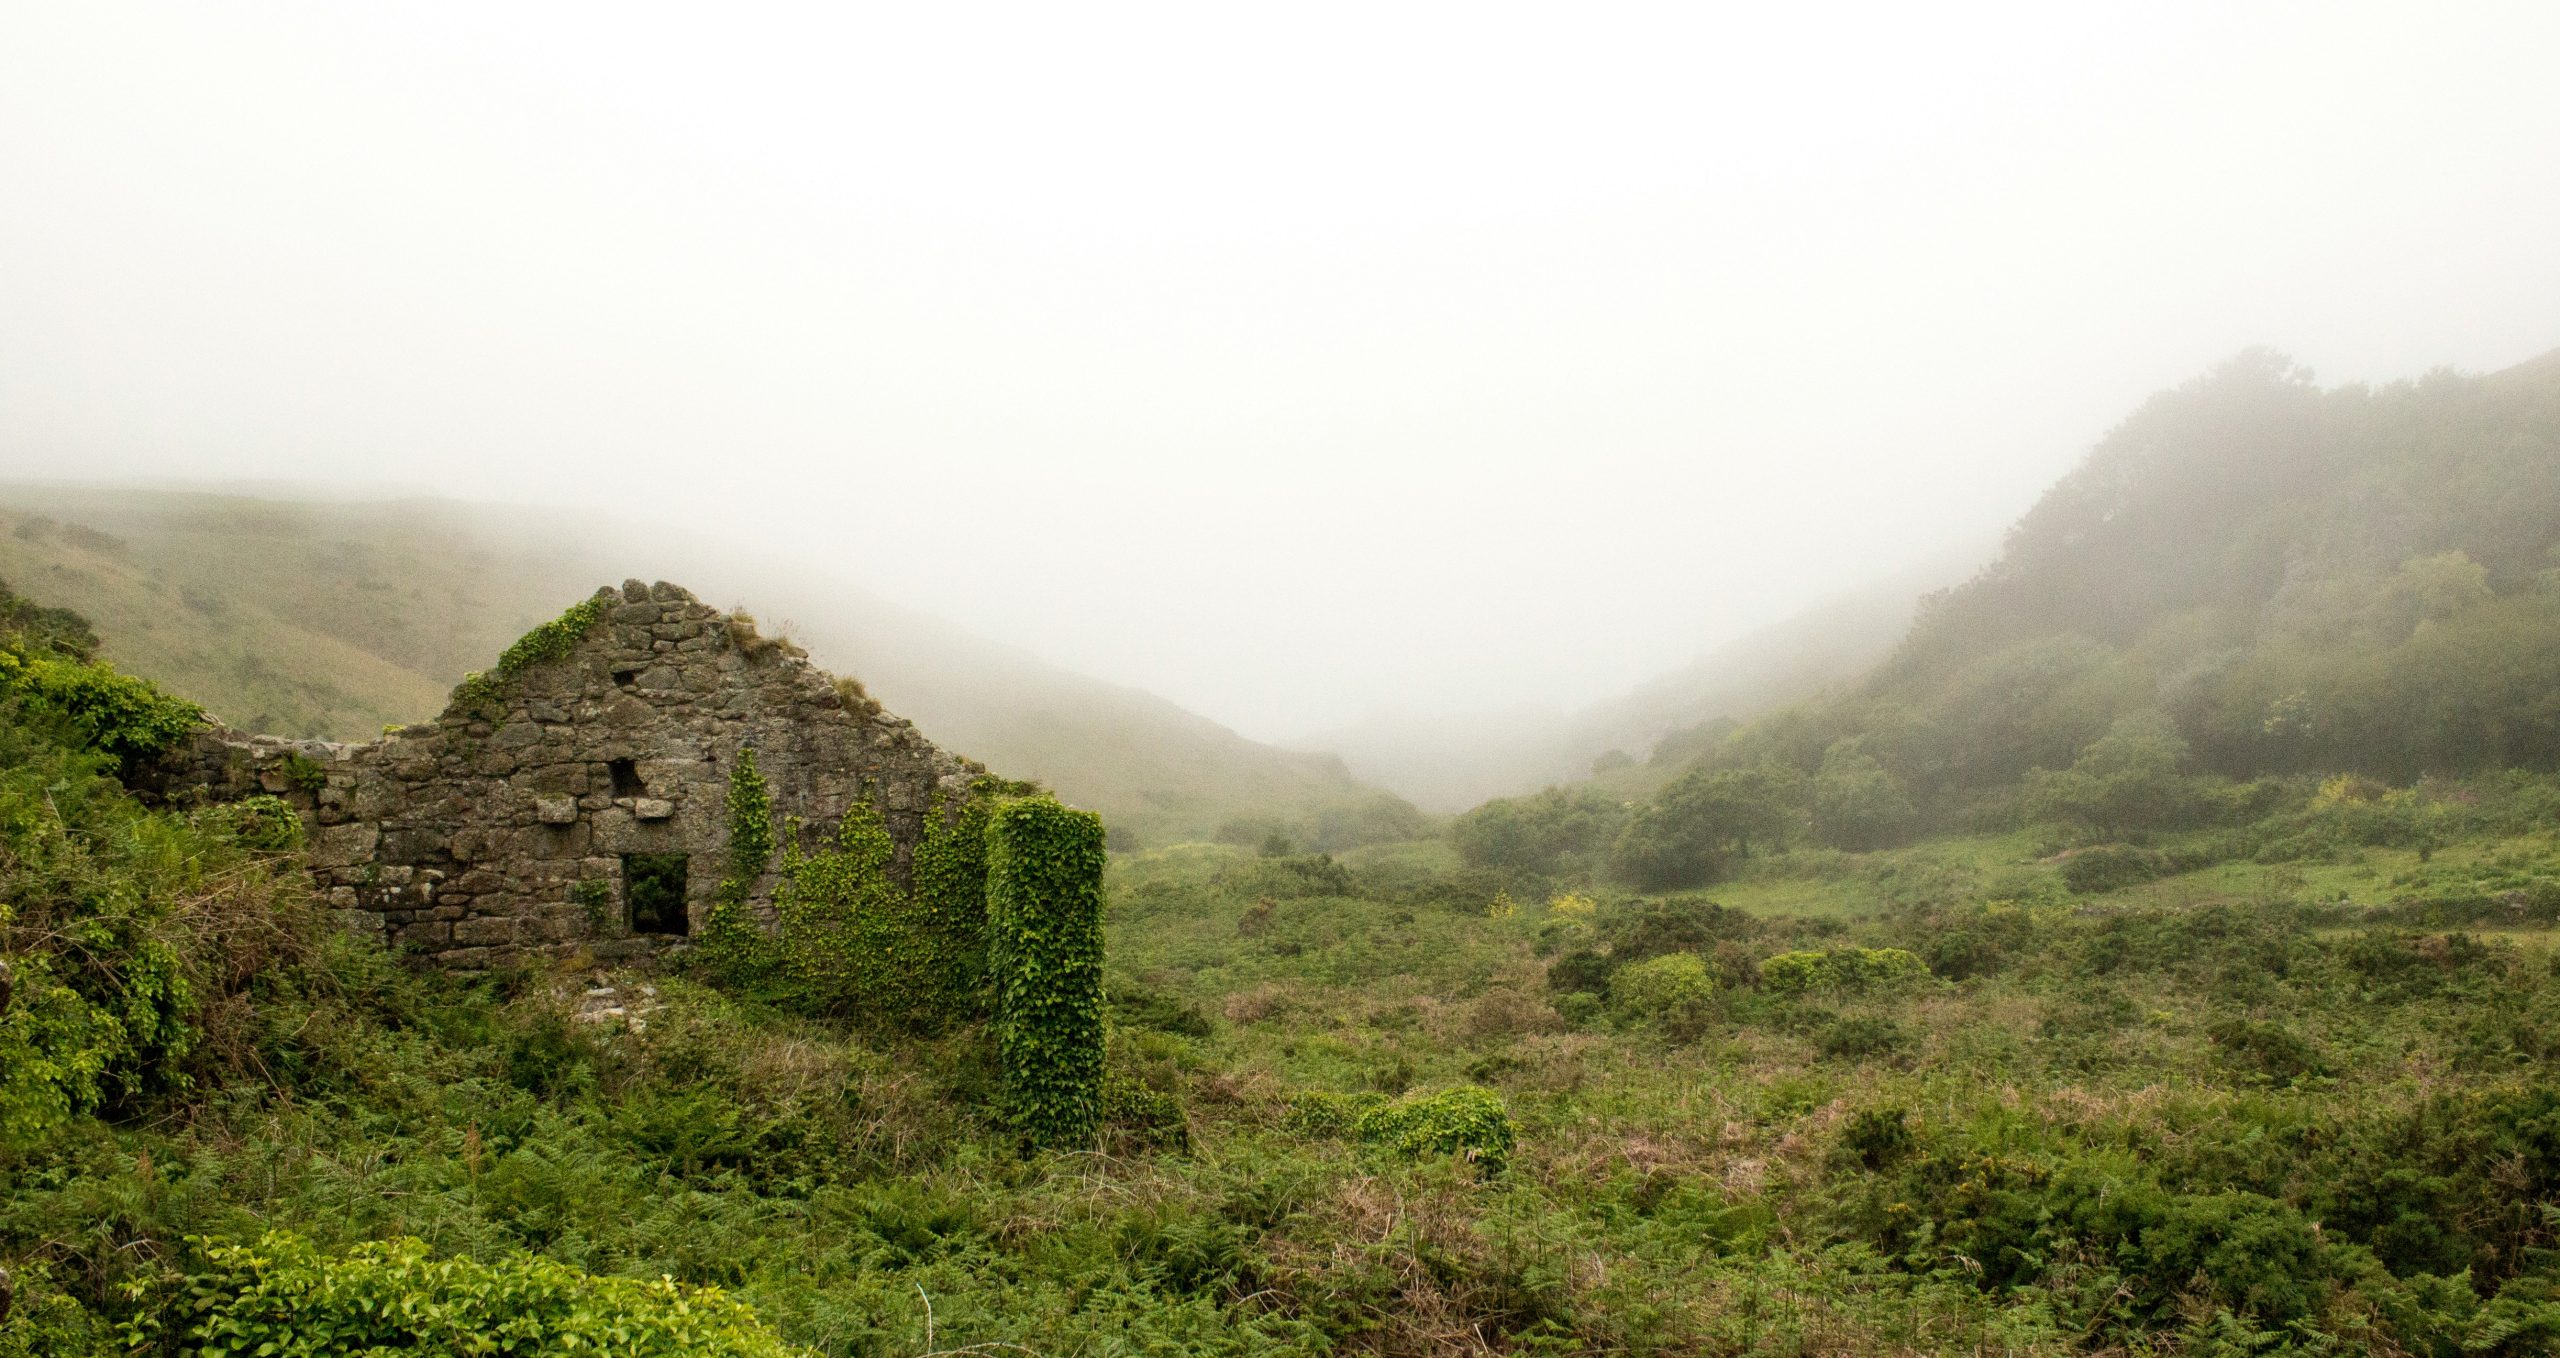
(653, 887)
(626, 678)
(626, 778)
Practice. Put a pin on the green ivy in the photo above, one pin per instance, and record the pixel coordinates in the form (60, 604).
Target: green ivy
(852, 943)
(551, 641)
(1044, 949)
(950, 876)
(732, 946)
(1003, 911)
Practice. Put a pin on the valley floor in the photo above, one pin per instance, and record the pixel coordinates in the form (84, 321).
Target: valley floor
(2252, 1108)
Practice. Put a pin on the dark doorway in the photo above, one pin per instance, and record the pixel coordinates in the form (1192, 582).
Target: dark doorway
(626, 778)
(653, 888)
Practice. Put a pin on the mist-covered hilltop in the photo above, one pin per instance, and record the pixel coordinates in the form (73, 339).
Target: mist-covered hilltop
(2252, 576)
(332, 619)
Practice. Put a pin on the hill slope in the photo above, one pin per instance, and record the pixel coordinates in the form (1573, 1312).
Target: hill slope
(332, 619)
(2272, 576)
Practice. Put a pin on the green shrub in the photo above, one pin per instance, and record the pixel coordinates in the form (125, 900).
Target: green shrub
(594, 899)
(1962, 942)
(1674, 992)
(302, 771)
(2111, 867)
(127, 718)
(1538, 833)
(2274, 1051)
(1285, 877)
(732, 946)
(281, 1296)
(1841, 970)
(1581, 971)
(1044, 949)
(117, 925)
(1652, 928)
(1468, 1121)
(1877, 1138)
(1321, 1113)
(849, 941)
(1862, 1035)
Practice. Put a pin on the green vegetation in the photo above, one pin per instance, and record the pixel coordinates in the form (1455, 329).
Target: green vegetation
(336, 620)
(280, 1295)
(2250, 585)
(2018, 1000)
(2284, 1091)
(549, 642)
(1044, 931)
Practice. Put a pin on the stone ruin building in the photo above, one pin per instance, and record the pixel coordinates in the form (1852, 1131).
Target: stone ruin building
(575, 798)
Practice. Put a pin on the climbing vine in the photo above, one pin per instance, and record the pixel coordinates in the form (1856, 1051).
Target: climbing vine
(851, 942)
(1044, 948)
(1002, 912)
(551, 641)
(731, 944)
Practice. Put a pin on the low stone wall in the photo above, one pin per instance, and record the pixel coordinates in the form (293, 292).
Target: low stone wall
(473, 837)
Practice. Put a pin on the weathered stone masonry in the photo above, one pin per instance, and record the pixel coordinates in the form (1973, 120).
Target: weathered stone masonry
(467, 839)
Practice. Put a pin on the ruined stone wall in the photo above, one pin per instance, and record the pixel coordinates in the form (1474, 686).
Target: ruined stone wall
(466, 839)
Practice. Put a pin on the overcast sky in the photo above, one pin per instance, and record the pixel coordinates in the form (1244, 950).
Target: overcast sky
(1289, 360)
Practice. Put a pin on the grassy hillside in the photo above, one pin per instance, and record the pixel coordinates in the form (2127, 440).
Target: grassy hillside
(1930, 1100)
(332, 619)
(2252, 589)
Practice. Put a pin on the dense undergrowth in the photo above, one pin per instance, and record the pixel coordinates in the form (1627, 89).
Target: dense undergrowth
(2282, 1089)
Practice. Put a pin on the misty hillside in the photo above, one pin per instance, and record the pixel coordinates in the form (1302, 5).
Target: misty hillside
(2283, 578)
(334, 619)
(1450, 762)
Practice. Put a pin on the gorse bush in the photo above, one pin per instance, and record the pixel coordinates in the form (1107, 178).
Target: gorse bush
(281, 1296)
(1842, 970)
(1674, 992)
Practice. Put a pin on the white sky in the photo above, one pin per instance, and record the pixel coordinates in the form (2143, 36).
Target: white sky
(1289, 361)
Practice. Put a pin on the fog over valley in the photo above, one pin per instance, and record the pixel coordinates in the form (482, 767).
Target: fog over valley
(1298, 368)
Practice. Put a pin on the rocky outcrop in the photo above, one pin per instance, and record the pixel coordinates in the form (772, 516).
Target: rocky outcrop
(527, 816)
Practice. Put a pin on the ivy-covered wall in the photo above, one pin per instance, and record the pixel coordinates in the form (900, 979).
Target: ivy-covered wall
(1044, 949)
(598, 745)
(1000, 917)
(816, 851)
